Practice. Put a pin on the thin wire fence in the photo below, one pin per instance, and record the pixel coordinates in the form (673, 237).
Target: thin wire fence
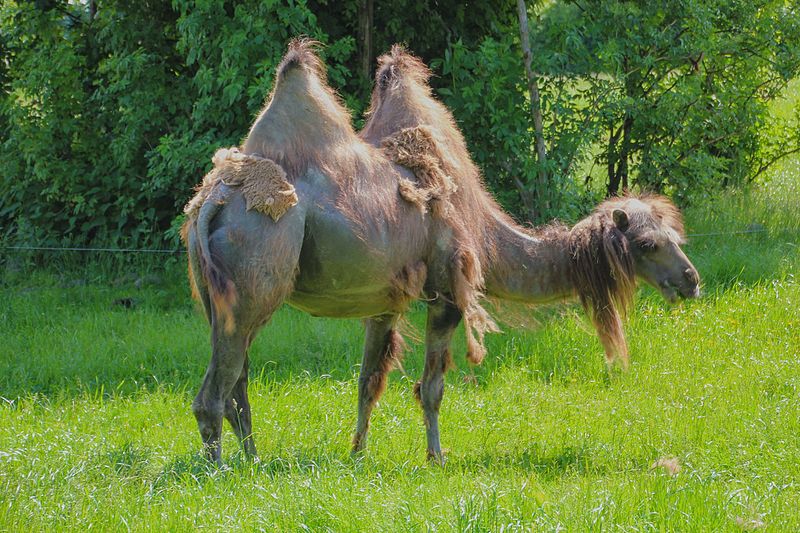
(87, 249)
(182, 251)
(715, 233)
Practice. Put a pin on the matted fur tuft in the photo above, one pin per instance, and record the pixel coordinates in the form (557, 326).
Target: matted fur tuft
(467, 281)
(262, 182)
(415, 149)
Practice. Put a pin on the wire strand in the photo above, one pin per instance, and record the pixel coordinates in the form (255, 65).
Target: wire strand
(760, 230)
(85, 249)
(181, 251)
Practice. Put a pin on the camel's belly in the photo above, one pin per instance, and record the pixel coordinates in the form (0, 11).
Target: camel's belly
(343, 305)
(346, 274)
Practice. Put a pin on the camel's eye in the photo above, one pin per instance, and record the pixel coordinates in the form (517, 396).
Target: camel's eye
(648, 245)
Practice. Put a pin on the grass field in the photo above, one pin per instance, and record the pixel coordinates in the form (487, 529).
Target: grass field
(96, 430)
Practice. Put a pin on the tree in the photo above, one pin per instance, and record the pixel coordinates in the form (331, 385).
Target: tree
(680, 88)
(540, 197)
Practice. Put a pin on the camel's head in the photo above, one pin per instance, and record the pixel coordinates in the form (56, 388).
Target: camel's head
(654, 229)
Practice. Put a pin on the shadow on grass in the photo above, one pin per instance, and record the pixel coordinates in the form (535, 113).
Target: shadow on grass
(194, 469)
(547, 465)
(129, 460)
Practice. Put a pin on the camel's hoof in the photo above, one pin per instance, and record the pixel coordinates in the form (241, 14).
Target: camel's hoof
(357, 453)
(437, 458)
(359, 444)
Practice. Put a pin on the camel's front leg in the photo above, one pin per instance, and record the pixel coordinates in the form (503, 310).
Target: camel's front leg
(382, 346)
(443, 317)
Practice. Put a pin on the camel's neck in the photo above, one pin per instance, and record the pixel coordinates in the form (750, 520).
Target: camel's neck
(525, 268)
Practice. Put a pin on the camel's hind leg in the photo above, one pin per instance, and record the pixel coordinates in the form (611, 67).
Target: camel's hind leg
(443, 318)
(224, 370)
(237, 412)
(382, 347)
(224, 389)
(261, 263)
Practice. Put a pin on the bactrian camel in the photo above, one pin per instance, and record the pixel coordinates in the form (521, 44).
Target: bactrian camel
(345, 231)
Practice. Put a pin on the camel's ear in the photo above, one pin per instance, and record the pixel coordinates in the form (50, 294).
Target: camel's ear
(620, 219)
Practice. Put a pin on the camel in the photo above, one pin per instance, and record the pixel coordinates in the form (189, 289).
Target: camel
(352, 240)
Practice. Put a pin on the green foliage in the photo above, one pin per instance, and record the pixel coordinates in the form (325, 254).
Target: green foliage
(671, 97)
(108, 117)
(678, 90)
(87, 101)
(109, 121)
(486, 88)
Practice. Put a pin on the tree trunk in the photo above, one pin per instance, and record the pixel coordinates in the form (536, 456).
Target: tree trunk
(542, 188)
(619, 176)
(624, 153)
(365, 16)
(613, 177)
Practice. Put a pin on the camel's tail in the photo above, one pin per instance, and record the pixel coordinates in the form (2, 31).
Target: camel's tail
(221, 289)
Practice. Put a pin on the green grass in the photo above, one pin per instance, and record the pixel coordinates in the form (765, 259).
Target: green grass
(96, 430)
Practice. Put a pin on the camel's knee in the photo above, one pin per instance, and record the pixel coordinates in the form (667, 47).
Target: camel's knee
(208, 413)
(372, 386)
(429, 392)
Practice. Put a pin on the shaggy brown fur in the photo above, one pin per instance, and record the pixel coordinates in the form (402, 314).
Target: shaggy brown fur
(305, 125)
(301, 77)
(661, 213)
(373, 384)
(407, 285)
(414, 195)
(602, 272)
(403, 99)
(467, 277)
(190, 270)
(392, 358)
(602, 265)
(202, 192)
